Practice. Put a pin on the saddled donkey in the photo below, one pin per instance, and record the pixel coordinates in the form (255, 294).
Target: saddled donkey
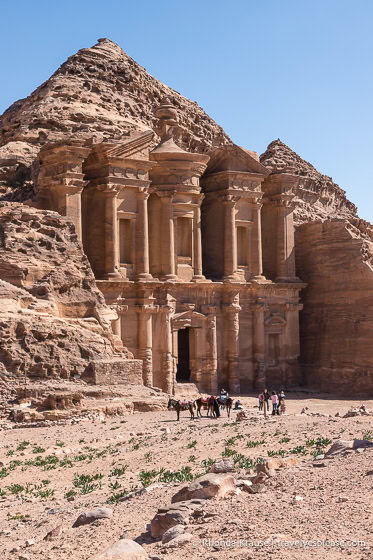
(202, 403)
(181, 405)
(209, 403)
(225, 403)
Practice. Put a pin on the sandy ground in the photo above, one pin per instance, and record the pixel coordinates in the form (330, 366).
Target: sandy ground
(332, 519)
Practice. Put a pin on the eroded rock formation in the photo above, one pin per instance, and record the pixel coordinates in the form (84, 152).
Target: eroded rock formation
(54, 320)
(337, 317)
(334, 255)
(98, 93)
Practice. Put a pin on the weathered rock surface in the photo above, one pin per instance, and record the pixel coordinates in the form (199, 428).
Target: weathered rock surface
(337, 319)
(99, 92)
(90, 516)
(176, 514)
(316, 195)
(54, 320)
(125, 549)
(205, 487)
(334, 255)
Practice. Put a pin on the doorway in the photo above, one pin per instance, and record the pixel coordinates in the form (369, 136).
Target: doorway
(183, 368)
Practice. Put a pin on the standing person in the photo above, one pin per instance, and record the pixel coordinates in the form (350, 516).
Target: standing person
(267, 396)
(261, 400)
(216, 408)
(274, 399)
(281, 402)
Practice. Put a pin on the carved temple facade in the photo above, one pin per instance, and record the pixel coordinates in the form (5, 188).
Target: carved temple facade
(195, 252)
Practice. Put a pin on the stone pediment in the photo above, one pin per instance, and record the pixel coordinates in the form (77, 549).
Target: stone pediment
(235, 158)
(134, 147)
(188, 319)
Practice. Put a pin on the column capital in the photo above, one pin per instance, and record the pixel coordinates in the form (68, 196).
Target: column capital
(147, 308)
(109, 189)
(142, 193)
(119, 305)
(260, 306)
(283, 200)
(231, 308)
(166, 196)
(209, 309)
(229, 199)
(294, 306)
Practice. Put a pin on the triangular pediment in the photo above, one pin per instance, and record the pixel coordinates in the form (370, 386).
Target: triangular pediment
(234, 158)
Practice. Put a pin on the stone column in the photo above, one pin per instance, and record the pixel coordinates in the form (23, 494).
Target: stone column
(116, 326)
(233, 327)
(230, 239)
(142, 237)
(111, 267)
(292, 344)
(212, 355)
(145, 334)
(285, 240)
(259, 345)
(168, 237)
(256, 264)
(167, 366)
(197, 244)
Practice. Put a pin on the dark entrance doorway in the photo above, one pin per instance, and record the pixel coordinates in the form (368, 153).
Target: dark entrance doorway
(183, 369)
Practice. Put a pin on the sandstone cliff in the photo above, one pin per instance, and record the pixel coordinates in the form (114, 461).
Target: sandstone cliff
(337, 319)
(99, 92)
(54, 320)
(334, 255)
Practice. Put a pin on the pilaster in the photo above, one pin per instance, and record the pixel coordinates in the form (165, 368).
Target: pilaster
(232, 324)
(259, 309)
(61, 180)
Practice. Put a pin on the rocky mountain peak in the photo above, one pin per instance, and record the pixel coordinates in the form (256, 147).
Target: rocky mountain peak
(317, 196)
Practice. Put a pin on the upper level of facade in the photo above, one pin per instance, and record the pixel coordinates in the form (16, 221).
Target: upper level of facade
(170, 215)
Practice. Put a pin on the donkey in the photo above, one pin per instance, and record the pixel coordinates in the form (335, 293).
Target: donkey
(210, 403)
(225, 403)
(182, 405)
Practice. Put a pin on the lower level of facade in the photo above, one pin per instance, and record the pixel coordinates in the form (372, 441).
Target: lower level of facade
(232, 335)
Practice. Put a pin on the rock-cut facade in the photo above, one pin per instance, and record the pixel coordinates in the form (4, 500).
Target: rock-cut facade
(194, 251)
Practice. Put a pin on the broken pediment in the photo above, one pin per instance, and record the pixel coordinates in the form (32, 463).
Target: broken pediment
(235, 158)
(135, 146)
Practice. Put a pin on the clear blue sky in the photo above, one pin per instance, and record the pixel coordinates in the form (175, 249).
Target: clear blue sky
(299, 70)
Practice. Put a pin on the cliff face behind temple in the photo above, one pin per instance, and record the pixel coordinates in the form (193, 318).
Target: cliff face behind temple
(334, 256)
(98, 93)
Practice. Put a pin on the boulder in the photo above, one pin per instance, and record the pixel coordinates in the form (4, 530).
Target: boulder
(222, 466)
(180, 540)
(124, 549)
(210, 485)
(276, 464)
(89, 516)
(338, 447)
(54, 533)
(172, 533)
(177, 514)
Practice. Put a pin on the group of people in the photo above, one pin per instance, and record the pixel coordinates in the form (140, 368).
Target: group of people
(277, 399)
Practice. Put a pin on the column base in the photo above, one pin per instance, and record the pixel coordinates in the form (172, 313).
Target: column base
(258, 278)
(143, 276)
(170, 278)
(231, 278)
(288, 280)
(112, 276)
(199, 278)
